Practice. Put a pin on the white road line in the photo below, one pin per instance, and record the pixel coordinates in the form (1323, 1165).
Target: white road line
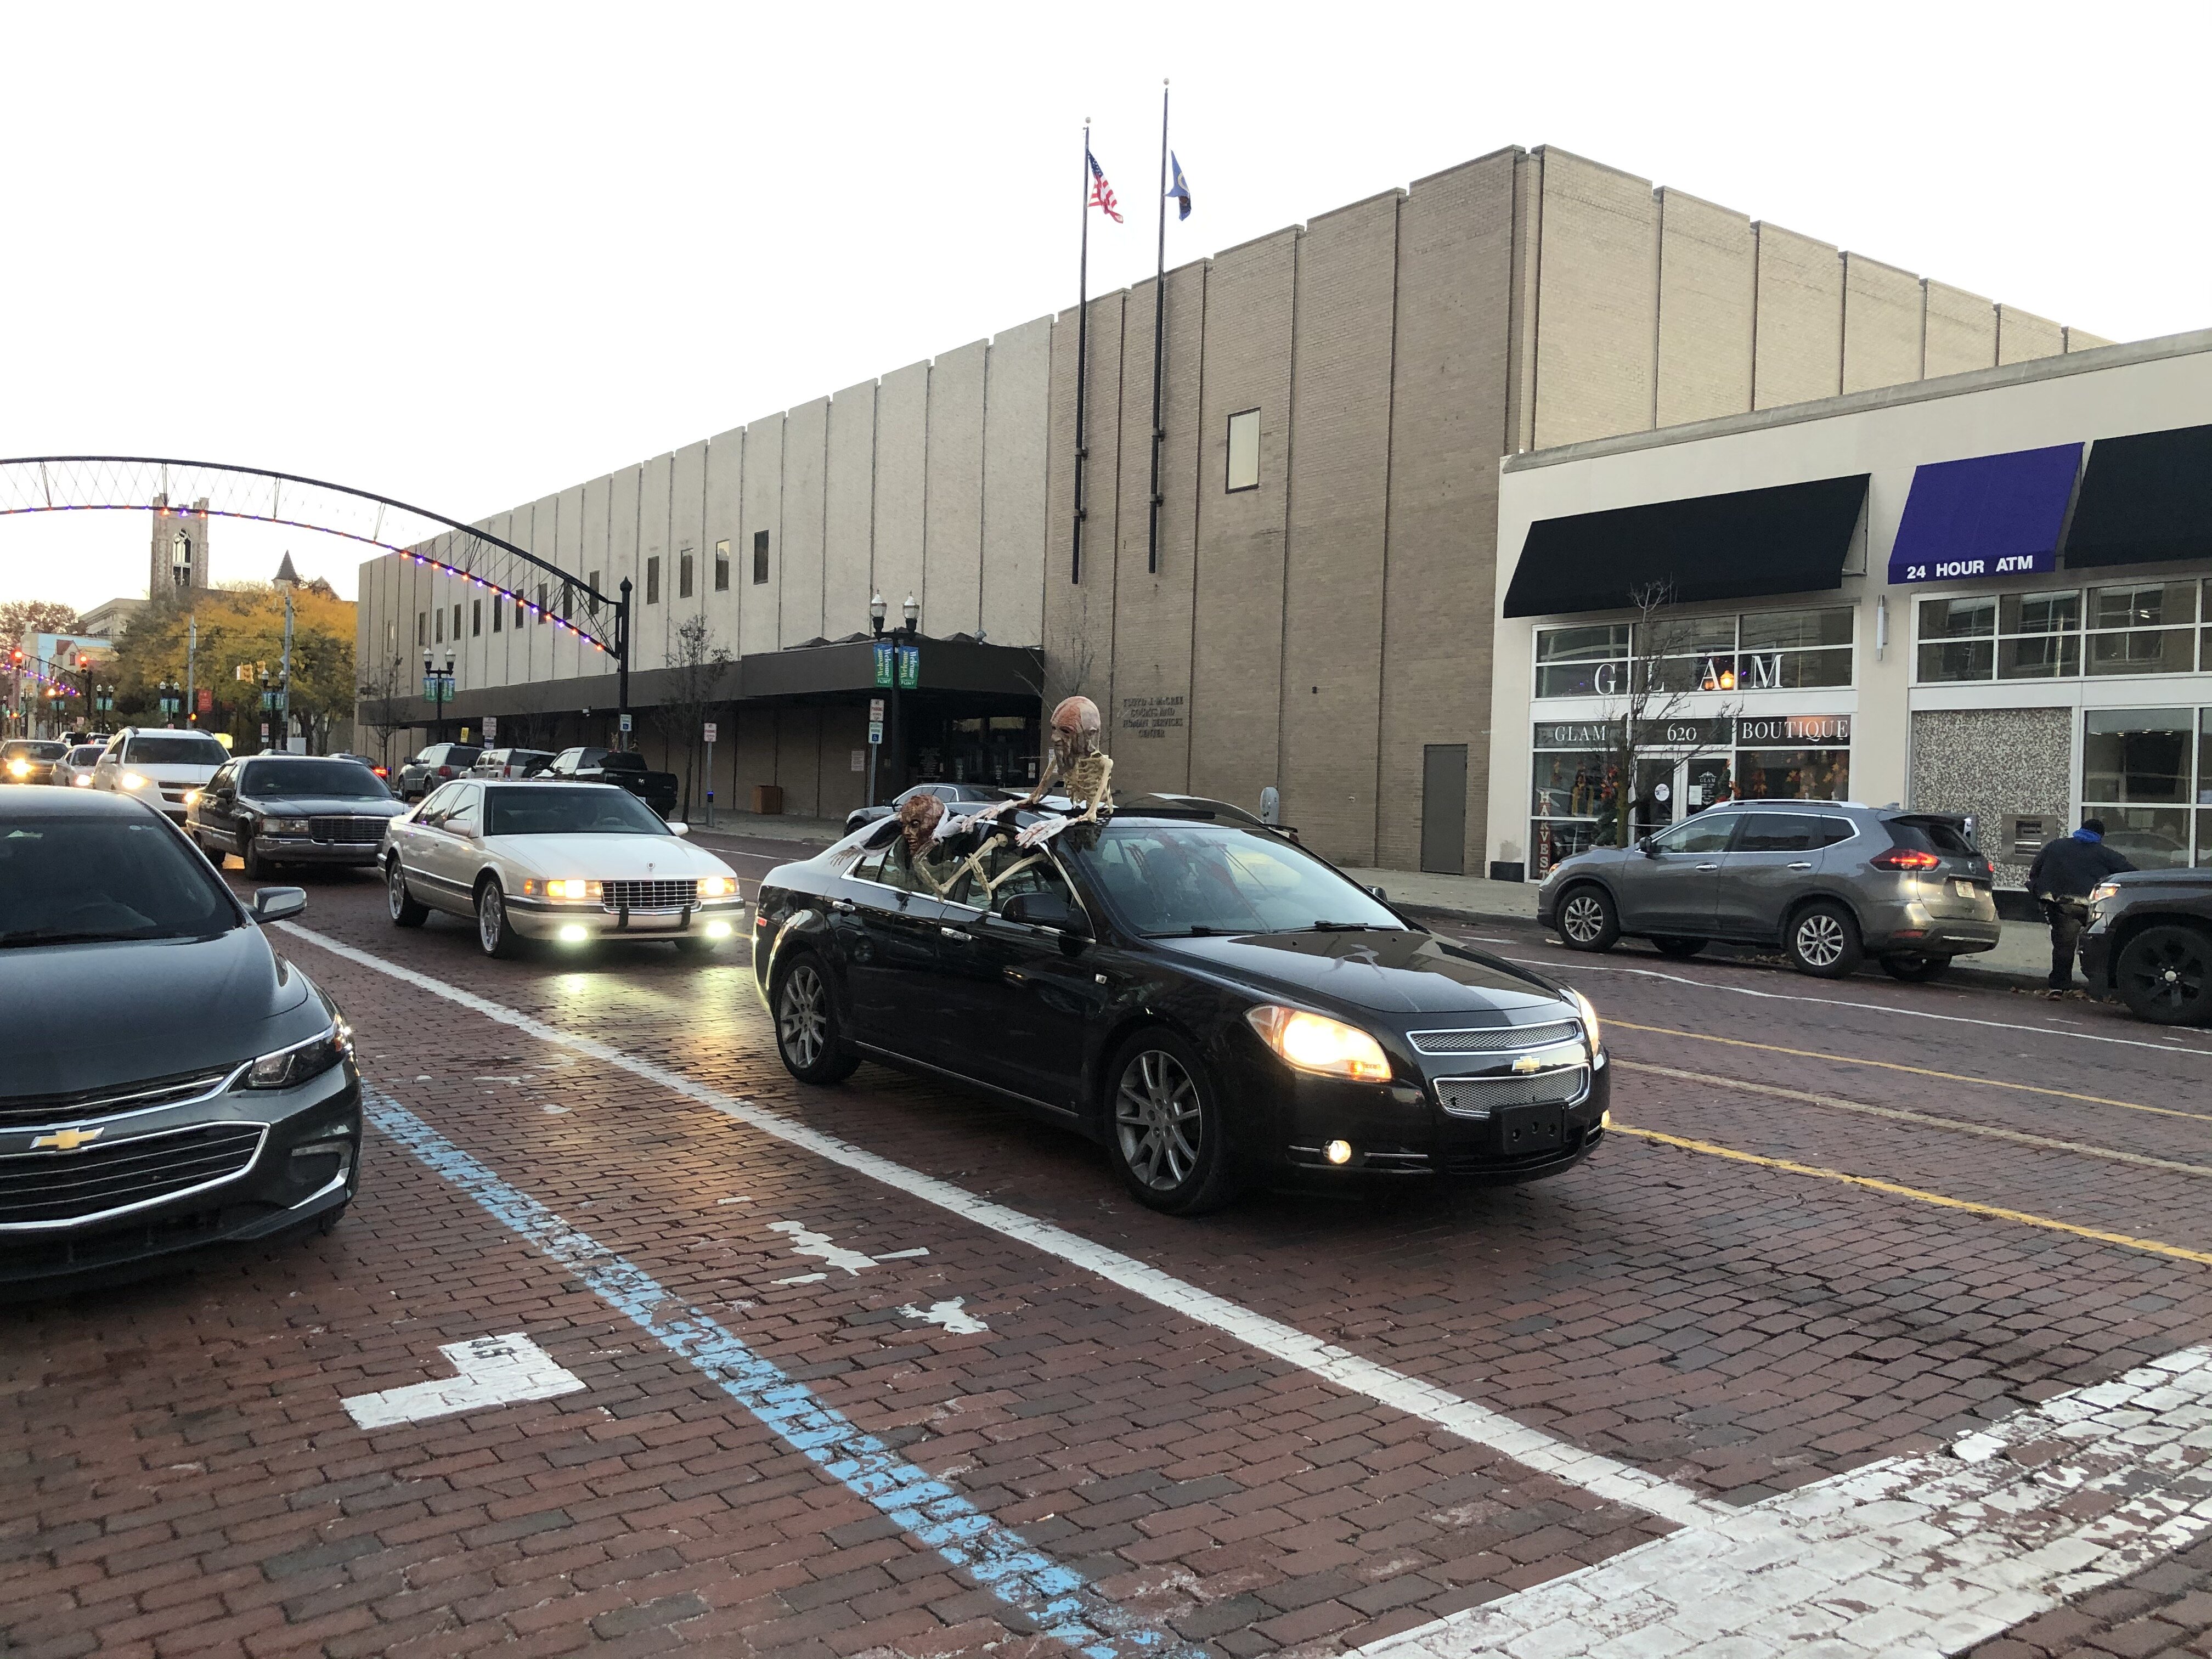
(1913, 1555)
(2069, 1033)
(1604, 1477)
(495, 1371)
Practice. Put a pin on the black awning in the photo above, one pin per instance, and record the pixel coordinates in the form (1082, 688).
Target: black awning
(2146, 499)
(1788, 539)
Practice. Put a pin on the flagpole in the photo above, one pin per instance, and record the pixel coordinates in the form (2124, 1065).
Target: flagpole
(1082, 353)
(1159, 340)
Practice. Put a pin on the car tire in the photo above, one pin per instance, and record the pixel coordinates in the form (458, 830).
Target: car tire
(1916, 971)
(401, 905)
(1160, 1100)
(495, 932)
(257, 868)
(1587, 920)
(1823, 940)
(2165, 976)
(1678, 945)
(810, 1036)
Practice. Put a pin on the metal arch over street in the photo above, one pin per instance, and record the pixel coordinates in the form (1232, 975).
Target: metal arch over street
(113, 484)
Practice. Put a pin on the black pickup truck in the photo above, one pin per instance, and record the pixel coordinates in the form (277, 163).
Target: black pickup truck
(617, 766)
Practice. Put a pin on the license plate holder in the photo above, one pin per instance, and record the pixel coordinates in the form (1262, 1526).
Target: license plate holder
(1525, 1129)
(1964, 888)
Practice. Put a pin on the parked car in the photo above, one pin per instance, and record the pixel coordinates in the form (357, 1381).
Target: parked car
(30, 760)
(164, 766)
(511, 762)
(1208, 1000)
(220, 1103)
(276, 810)
(433, 767)
(74, 769)
(570, 862)
(625, 768)
(2149, 943)
(375, 766)
(1830, 882)
(956, 797)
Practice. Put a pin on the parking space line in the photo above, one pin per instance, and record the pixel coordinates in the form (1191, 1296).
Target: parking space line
(1899, 1114)
(1064, 1604)
(1917, 1071)
(1873, 1183)
(1602, 1476)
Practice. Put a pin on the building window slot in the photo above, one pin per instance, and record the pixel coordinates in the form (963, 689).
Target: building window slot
(1243, 451)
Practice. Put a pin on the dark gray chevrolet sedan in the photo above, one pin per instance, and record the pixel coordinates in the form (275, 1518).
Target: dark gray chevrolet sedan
(275, 810)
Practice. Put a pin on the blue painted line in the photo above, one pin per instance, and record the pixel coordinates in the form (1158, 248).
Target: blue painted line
(1060, 1600)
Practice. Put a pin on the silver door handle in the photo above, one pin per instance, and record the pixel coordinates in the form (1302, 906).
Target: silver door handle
(1709, 866)
(843, 904)
(1803, 864)
(954, 932)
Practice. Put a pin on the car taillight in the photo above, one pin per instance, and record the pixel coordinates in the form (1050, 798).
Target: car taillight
(1904, 858)
(444, 771)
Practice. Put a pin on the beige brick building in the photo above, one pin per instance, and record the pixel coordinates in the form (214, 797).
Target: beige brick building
(1328, 630)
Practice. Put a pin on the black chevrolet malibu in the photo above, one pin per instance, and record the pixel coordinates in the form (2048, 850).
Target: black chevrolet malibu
(169, 1080)
(1207, 999)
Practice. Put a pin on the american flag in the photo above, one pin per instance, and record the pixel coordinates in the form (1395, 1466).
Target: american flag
(1102, 193)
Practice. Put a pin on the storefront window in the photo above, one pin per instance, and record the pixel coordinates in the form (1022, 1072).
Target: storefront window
(1581, 662)
(2146, 627)
(2040, 635)
(2137, 628)
(1690, 654)
(1793, 773)
(1793, 649)
(1958, 639)
(2136, 775)
(1575, 801)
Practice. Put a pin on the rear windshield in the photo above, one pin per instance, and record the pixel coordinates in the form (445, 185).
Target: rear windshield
(622, 760)
(343, 779)
(175, 749)
(66, 880)
(1930, 835)
(1183, 879)
(550, 809)
(84, 754)
(456, 755)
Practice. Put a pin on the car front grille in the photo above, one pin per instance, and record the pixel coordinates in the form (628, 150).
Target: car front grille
(1479, 1097)
(1494, 1039)
(635, 896)
(40, 1111)
(57, 1188)
(353, 832)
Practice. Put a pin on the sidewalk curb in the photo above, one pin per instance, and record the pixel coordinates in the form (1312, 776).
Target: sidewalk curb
(1964, 971)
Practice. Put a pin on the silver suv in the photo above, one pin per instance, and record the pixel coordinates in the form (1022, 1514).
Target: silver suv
(1830, 882)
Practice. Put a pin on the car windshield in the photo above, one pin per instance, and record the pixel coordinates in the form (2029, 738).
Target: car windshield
(70, 879)
(545, 809)
(1180, 878)
(24, 749)
(343, 780)
(175, 749)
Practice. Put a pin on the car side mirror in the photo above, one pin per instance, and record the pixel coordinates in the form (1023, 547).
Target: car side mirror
(274, 903)
(1380, 895)
(677, 828)
(1648, 847)
(1047, 910)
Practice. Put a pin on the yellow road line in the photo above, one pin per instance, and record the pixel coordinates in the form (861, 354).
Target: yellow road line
(1898, 1114)
(2150, 1246)
(1917, 1071)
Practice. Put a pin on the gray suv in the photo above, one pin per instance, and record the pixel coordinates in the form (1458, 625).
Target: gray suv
(1830, 882)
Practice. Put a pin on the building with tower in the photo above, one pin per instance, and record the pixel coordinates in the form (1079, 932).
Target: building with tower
(178, 563)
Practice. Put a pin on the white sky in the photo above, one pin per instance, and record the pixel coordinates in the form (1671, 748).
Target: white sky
(464, 255)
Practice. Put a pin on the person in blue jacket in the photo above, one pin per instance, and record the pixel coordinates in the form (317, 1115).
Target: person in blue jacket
(2061, 877)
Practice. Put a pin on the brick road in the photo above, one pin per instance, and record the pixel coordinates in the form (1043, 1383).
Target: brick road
(181, 1474)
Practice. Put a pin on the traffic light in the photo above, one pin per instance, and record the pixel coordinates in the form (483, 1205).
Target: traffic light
(82, 660)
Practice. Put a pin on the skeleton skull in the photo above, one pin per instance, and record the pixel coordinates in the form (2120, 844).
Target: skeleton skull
(1075, 728)
(918, 817)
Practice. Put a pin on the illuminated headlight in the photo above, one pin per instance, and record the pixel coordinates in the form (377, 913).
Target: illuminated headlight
(567, 888)
(284, 826)
(2104, 890)
(19, 768)
(716, 887)
(192, 798)
(289, 1067)
(81, 780)
(1590, 1028)
(1314, 1042)
(133, 780)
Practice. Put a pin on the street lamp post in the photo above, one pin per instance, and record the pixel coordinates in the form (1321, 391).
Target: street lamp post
(908, 634)
(440, 688)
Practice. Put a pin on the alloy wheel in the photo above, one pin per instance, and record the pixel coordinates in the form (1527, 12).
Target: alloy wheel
(1821, 940)
(395, 889)
(802, 1024)
(1158, 1118)
(491, 919)
(1581, 919)
(2168, 973)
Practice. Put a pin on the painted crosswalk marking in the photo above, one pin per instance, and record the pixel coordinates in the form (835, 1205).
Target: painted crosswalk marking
(494, 1370)
(1911, 1555)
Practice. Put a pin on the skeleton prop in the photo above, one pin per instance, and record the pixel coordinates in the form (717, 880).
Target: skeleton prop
(1074, 761)
(919, 817)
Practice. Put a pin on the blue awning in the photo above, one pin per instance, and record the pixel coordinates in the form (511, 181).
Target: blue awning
(1990, 515)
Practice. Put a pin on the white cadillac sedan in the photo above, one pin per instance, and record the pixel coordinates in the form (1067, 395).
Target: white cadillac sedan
(570, 862)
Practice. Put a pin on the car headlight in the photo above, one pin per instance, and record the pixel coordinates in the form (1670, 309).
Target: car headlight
(192, 798)
(1314, 1042)
(284, 826)
(1590, 1027)
(2102, 891)
(19, 768)
(287, 1067)
(716, 887)
(567, 887)
(81, 780)
(133, 780)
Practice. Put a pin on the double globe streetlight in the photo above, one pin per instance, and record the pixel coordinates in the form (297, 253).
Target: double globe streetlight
(907, 634)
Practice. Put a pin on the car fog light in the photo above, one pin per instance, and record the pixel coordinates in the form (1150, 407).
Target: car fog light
(1605, 1118)
(718, 930)
(572, 934)
(1338, 1151)
(81, 781)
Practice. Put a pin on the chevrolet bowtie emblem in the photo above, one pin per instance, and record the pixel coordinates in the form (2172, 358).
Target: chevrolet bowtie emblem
(1528, 1063)
(67, 1140)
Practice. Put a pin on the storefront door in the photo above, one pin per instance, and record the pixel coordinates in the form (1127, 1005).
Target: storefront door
(1670, 787)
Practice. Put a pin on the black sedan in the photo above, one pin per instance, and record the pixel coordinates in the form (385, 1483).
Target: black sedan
(220, 1103)
(1204, 998)
(275, 810)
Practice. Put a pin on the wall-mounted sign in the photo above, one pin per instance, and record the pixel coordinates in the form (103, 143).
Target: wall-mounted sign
(1819, 730)
(1577, 734)
(1717, 731)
